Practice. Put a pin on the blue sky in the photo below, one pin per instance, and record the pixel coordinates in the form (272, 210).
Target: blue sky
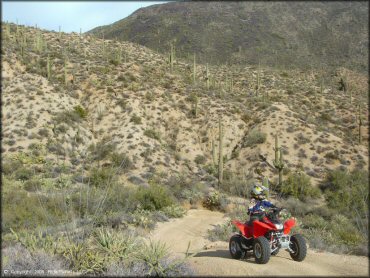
(70, 15)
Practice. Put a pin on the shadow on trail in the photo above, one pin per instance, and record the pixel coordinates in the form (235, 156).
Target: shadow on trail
(224, 254)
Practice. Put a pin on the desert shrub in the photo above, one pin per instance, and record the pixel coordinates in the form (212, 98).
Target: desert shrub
(102, 177)
(23, 173)
(10, 165)
(246, 117)
(215, 201)
(325, 116)
(236, 185)
(174, 211)
(313, 221)
(344, 190)
(21, 211)
(192, 98)
(299, 186)
(71, 116)
(44, 132)
(153, 259)
(31, 184)
(122, 103)
(346, 233)
(221, 232)
(34, 241)
(80, 111)
(135, 119)
(151, 133)
(121, 160)
(200, 159)
(115, 244)
(102, 150)
(156, 255)
(332, 155)
(81, 258)
(296, 207)
(18, 258)
(254, 137)
(143, 218)
(193, 195)
(155, 197)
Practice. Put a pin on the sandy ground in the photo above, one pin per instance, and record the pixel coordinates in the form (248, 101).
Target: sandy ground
(212, 259)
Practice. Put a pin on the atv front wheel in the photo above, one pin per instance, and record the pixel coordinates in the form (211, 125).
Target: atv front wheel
(298, 247)
(261, 250)
(235, 248)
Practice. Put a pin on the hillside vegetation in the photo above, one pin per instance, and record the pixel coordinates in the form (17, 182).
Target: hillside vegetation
(103, 138)
(282, 34)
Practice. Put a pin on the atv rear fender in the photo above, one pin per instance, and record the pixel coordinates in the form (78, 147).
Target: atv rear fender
(290, 223)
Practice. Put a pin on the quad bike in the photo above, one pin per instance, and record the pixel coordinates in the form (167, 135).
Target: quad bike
(269, 236)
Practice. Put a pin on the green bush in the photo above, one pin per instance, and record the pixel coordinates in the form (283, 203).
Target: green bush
(21, 211)
(102, 149)
(344, 190)
(221, 232)
(151, 133)
(215, 201)
(298, 185)
(80, 111)
(255, 137)
(174, 211)
(23, 173)
(155, 197)
(71, 116)
(200, 159)
(237, 186)
(121, 160)
(102, 177)
(9, 166)
(135, 119)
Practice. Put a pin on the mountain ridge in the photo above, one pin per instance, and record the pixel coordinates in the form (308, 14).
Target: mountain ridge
(291, 34)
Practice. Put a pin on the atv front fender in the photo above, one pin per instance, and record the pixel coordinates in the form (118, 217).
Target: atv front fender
(241, 226)
(290, 223)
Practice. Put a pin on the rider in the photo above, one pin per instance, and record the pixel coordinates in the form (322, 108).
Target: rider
(258, 204)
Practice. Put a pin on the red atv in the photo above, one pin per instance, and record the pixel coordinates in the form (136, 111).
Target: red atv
(269, 236)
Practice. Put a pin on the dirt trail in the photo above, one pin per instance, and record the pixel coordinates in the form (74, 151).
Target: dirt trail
(213, 259)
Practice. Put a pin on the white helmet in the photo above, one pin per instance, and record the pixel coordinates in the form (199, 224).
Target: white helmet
(258, 192)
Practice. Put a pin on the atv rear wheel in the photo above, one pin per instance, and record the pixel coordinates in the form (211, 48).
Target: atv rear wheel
(298, 246)
(235, 248)
(261, 250)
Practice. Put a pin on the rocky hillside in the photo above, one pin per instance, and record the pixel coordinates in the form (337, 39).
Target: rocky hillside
(79, 100)
(284, 34)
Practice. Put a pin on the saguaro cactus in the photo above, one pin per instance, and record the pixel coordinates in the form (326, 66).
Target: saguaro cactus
(214, 156)
(278, 162)
(195, 105)
(359, 125)
(48, 67)
(220, 154)
(65, 73)
(207, 76)
(172, 56)
(232, 84)
(194, 70)
(258, 80)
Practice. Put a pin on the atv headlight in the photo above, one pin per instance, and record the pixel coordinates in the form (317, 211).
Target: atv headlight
(279, 226)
